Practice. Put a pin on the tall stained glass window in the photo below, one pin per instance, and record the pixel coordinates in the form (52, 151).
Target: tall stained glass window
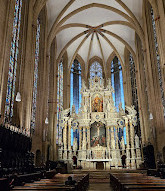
(34, 106)
(75, 85)
(13, 61)
(134, 91)
(59, 99)
(117, 82)
(75, 88)
(158, 59)
(96, 70)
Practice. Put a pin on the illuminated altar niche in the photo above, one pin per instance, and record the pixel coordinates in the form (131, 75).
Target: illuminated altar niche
(97, 103)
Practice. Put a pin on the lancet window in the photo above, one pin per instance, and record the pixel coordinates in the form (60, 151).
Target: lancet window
(134, 90)
(13, 61)
(59, 98)
(158, 59)
(117, 82)
(34, 102)
(96, 70)
(75, 91)
(75, 85)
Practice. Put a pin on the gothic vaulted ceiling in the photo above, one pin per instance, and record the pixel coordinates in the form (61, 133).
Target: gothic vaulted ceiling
(94, 28)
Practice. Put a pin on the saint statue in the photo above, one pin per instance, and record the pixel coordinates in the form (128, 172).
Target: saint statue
(137, 142)
(108, 106)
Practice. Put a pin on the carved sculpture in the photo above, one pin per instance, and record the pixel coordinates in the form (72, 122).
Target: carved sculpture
(97, 106)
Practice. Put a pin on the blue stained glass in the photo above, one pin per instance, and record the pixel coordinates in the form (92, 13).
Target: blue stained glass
(117, 85)
(34, 102)
(13, 61)
(158, 60)
(59, 99)
(75, 90)
(113, 86)
(96, 70)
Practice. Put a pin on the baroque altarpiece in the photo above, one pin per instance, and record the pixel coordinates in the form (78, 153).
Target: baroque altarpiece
(99, 130)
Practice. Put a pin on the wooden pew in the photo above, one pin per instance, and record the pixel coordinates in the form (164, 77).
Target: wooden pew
(58, 183)
(135, 181)
(4, 184)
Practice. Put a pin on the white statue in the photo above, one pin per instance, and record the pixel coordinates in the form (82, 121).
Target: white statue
(122, 143)
(121, 111)
(83, 86)
(85, 108)
(73, 109)
(75, 144)
(108, 106)
(137, 142)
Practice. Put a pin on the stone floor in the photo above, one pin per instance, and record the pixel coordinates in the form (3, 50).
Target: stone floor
(100, 187)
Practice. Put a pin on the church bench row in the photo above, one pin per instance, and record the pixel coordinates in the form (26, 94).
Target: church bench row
(58, 183)
(135, 181)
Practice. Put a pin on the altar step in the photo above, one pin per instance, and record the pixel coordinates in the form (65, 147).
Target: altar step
(99, 176)
(103, 176)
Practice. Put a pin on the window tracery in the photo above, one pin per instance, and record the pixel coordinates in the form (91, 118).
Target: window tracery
(117, 82)
(158, 59)
(59, 99)
(34, 101)
(96, 70)
(134, 91)
(13, 61)
(75, 89)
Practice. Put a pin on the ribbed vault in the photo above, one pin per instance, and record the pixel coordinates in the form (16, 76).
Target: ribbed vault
(91, 28)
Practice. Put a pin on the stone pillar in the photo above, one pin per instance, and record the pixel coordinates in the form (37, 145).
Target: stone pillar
(69, 135)
(88, 138)
(113, 147)
(65, 141)
(128, 146)
(69, 141)
(84, 138)
(80, 138)
(122, 146)
(132, 137)
(118, 155)
(138, 152)
(108, 138)
(116, 151)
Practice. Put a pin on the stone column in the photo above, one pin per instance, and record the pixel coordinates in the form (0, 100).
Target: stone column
(83, 153)
(80, 138)
(69, 141)
(88, 138)
(84, 138)
(116, 151)
(118, 155)
(113, 147)
(138, 152)
(65, 141)
(132, 137)
(108, 138)
(128, 146)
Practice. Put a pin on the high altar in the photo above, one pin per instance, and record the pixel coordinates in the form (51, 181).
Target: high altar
(98, 130)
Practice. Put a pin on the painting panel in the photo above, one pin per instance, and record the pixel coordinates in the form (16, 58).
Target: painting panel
(98, 134)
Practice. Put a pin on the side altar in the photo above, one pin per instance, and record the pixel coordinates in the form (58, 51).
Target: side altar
(99, 130)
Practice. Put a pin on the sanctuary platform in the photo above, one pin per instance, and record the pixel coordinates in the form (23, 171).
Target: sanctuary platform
(98, 129)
